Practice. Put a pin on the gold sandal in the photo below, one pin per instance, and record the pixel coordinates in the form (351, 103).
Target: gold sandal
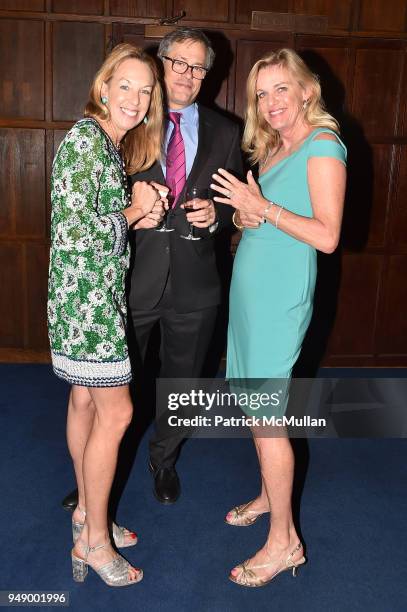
(242, 517)
(248, 578)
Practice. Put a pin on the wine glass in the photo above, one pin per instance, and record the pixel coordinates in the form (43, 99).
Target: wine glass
(163, 227)
(191, 194)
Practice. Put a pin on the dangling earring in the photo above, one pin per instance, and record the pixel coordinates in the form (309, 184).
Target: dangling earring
(103, 100)
(145, 120)
(305, 104)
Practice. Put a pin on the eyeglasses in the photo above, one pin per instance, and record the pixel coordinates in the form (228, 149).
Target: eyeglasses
(198, 72)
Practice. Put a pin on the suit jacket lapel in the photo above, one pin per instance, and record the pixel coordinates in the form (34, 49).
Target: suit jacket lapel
(160, 173)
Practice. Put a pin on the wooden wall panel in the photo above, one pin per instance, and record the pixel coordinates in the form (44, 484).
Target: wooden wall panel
(392, 331)
(22, 5)
(21, 69)
(198, 10)
(337, 61)
(22, 171)
(244, 8)
(248, 52)
(78, 51)
(402, 127)
(353, 332)
(59, 135)
(338, 13)
(376, 90)
(382, 15)
(37, 261)
(79, 7)
(12, 296)
(8, 200)
(382, 162)
(330, 59)
(399, 204)
(138, 8)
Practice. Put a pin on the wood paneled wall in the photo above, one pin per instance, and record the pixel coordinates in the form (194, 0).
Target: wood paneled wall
(49, 51)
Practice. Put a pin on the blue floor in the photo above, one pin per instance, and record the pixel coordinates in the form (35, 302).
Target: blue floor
(353, 518)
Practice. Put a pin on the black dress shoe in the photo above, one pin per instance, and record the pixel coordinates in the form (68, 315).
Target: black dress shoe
(167, 487)
(70, 501)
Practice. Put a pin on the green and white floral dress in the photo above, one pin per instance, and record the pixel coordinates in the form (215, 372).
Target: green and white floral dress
(89, 260)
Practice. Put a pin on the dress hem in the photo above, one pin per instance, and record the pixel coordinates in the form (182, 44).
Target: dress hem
(92, 373)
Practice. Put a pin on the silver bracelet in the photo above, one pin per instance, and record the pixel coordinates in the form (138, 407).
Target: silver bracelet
(278, 216)
(266, 210)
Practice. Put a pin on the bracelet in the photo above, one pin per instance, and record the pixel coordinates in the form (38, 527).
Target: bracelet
(278, 216)
(239, 227)
(265, 211)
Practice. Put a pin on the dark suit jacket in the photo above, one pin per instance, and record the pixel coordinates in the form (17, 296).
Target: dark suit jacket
(195, 282)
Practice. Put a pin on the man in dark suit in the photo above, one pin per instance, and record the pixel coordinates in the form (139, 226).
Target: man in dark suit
(174, 281)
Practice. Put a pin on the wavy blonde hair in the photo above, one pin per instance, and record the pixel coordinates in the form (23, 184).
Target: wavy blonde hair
(141, 146)
(258, 136)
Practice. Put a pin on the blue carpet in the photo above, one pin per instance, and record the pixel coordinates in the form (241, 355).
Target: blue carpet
(353, 518)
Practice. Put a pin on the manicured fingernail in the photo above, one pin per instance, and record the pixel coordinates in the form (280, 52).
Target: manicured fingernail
(133, 535)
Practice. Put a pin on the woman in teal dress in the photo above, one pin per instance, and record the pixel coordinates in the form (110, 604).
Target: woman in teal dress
(91, 213)
(293, 211)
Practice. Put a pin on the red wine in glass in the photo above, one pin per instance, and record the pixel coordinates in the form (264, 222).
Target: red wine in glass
(192, 194)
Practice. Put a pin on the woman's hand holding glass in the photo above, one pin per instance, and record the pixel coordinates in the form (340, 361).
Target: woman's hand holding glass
(147, 205)
(154, 218)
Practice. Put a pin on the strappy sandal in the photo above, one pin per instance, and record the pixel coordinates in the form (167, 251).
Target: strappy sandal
(118, 533)
(114, 573)
(242, 516)
(248, 577)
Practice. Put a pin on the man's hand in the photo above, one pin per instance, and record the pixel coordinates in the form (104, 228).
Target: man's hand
(204, 214)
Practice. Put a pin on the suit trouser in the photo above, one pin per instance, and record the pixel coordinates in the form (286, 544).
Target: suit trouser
(185, 338)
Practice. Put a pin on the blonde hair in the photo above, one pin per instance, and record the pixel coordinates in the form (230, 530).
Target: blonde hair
(141, 146)
(258, 136)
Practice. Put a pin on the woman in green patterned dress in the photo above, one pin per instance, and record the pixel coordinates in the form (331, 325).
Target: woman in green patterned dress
(91, 213)
(294, 210)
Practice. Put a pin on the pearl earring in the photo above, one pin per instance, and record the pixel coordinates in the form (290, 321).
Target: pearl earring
(103, 99)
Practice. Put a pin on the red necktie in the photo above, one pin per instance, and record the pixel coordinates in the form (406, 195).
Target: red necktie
(175, 161)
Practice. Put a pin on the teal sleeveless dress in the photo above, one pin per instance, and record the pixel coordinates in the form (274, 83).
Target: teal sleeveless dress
(273, 281)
